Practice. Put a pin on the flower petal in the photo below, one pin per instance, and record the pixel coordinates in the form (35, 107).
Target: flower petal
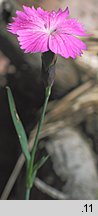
(63, 14)
(72, 26)
(57, 18)
(57, 45)
(66, 45)
(26, 20)
(29, 11)
(33, 42)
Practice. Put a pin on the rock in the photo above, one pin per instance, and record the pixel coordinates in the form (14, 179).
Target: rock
(73, 161)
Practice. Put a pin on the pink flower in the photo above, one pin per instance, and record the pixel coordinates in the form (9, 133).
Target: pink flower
(40, 31)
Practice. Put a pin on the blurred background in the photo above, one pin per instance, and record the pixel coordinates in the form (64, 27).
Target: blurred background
(70, 131)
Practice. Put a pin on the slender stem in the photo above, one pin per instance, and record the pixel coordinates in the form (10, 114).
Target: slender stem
(48, 92)
(30, 173)
(27, 193)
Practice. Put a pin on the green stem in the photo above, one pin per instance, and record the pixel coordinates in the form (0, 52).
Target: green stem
(27, 193)
(30, 173)
(48, 92)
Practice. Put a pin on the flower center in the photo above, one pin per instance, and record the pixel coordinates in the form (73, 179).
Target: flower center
(49, 30)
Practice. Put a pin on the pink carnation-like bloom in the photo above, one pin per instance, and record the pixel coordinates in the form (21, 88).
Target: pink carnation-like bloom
(40, 31)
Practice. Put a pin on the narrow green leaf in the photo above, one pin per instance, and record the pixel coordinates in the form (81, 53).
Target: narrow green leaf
(18, 125)
(37, 166)
(40, 163)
